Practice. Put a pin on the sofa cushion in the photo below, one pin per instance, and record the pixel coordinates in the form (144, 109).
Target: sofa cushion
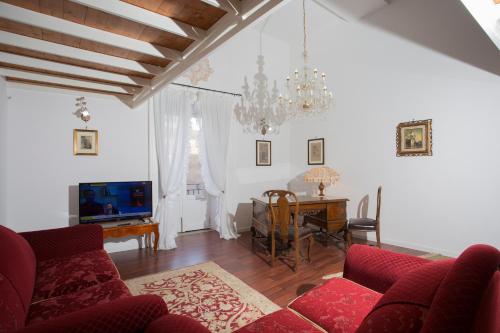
(17, 278)
(337, 306)
(458, 298)
(404, 306)
(12, 313)
(282, 321)
(64, 275)
(61, 305)
(378, 269)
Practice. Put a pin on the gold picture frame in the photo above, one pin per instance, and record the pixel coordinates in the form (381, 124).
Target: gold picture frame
(85, 142)
(414, 138)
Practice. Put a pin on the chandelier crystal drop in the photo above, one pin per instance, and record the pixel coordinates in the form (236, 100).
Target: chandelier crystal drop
(258, 112)
(306, 92)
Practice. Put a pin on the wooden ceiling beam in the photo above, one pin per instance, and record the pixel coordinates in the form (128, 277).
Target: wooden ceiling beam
(230, 6)
(28, 69)
(122, 96)
(76, 53)
(10, 60)
(224, 29)
(25, 75)
(146, 17)
(32, 18)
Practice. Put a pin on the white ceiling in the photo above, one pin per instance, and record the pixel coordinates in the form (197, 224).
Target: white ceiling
(285, 23)
(487, 14)
(350, 10)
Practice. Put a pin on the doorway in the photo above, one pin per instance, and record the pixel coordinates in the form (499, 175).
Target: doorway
(195, 198)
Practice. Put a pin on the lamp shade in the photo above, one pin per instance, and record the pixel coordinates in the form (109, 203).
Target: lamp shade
(323, 174)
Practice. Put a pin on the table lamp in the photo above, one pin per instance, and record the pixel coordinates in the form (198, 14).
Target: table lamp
(322, 175)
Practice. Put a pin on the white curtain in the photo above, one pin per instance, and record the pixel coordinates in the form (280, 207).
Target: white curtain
(171, 109)
(216, 113)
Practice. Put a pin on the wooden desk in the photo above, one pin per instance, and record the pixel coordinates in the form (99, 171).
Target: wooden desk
(138, 229)
(329, 214)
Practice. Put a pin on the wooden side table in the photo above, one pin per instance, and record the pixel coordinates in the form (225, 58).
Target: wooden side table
(135, 230)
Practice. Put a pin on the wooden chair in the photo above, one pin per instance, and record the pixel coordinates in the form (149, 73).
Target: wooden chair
(286, 233)
(366, 224)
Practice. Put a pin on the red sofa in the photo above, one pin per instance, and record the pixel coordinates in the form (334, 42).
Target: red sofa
(61, 280)
(382, 291)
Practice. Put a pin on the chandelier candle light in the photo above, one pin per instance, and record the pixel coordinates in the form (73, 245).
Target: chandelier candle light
(322, 175)
(306, 93)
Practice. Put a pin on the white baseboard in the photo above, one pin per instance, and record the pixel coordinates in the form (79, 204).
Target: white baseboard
(416, 246)
(244, 229)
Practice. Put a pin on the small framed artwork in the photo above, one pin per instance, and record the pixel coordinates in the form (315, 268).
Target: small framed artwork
(262, 153)
(414, 138)
(316, 152)
(85, 142)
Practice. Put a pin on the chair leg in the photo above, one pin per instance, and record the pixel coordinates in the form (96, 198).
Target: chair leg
(297, 255)
(309, 246)
(273, 251)
(253, 239)
(377, 232)
(349, 238)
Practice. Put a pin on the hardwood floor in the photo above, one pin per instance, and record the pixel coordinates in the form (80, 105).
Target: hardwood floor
(279, 283)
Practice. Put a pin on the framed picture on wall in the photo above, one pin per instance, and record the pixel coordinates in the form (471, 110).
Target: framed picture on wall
(262, 153)
(85, 142)
(414, 138)
(316, 151)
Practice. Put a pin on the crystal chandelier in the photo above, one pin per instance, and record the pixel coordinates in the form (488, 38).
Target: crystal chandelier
(82, 112)
(306, 93)
(257, 112)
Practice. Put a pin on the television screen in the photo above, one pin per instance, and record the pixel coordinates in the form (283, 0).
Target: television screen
(101, 202)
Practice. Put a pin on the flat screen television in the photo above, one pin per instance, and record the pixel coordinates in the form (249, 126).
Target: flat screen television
(115, 201)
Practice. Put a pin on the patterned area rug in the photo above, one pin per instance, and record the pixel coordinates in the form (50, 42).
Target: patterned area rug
(207, 293)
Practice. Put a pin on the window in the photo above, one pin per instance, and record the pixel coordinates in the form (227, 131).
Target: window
(195, 184)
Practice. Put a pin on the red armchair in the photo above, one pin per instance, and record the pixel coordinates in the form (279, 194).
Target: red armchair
(62, 280)
(384, 291)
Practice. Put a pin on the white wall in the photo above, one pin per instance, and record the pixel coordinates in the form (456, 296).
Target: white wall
(43, 172)
(3, 151)
(441, 203)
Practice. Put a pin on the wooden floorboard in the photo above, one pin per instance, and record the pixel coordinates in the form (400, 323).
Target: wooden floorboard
(280, 284)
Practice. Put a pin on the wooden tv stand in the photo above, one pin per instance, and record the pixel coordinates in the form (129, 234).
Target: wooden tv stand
(134, 229)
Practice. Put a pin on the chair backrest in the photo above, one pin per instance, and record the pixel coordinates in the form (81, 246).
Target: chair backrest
(17, 279)
(281, 213)
(379, 200)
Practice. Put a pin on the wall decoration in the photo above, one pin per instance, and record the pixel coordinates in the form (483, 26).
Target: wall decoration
(201, 71)
(414, 138)
(262, 153)
(81, 110)
(85, 142)
(316, 151)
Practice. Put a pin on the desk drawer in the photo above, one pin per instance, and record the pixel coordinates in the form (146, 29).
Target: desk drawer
(336, 226)
(336, 211)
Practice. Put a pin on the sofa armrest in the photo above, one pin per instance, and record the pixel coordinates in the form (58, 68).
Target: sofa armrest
(378, 269)
(176, 324)
(62, 242)
(127, 315)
